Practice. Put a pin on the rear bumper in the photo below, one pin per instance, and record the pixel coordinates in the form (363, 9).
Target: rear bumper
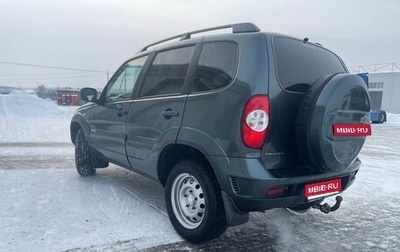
(246, 182)
(293, 196)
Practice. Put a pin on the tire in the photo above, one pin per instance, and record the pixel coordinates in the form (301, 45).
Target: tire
(194, 202)
(332, 99)
(83, 159)
(381, 117)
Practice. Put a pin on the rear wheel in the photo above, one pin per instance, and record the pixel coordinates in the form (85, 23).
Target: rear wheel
(194, 202)
(83, 159)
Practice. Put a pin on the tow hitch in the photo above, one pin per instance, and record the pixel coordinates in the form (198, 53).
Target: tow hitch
(325, 208)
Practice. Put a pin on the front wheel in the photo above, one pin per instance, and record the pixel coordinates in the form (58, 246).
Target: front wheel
(194, 202)
(83, 159)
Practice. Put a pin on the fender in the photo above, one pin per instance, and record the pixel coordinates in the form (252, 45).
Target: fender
(77, 122)
(209, 147)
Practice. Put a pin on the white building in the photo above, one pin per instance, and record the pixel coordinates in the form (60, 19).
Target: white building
(384, 90)
(384, 85)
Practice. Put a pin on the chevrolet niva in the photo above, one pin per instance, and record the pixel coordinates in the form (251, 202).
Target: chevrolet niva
(229, 123)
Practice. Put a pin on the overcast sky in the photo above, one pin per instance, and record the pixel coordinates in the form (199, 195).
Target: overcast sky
(100, 34)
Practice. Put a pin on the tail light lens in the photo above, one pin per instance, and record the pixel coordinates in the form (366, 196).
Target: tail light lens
(255, 121)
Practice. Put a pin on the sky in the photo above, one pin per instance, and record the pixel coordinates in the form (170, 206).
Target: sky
(97, 36)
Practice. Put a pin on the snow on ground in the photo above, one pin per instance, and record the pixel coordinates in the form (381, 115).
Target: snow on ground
(33, 127)
(46, 206)
(393, 118)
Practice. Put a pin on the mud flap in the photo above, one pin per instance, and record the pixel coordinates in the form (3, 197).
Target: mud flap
(233, 216)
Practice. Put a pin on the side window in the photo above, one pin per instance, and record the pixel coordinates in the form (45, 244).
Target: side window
(123, 81)
(216, 67)
(167, 72)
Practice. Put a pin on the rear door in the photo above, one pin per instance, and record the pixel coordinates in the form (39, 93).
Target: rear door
(298, 65)
(156, 115)
(108, 119)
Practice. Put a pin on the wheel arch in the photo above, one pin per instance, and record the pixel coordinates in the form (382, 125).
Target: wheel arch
(174, 153)
(77, 123)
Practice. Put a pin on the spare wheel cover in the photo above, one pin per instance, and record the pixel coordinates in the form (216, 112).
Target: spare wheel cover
(332, 99)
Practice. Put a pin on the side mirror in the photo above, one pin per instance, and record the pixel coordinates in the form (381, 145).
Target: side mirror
(89, 94)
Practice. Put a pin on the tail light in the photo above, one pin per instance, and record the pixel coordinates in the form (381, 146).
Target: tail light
(255, 121)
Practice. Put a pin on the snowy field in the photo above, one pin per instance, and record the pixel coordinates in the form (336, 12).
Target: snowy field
(46, 206)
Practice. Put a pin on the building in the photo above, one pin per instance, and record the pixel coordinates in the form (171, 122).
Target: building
(384, 85)
(384, 90)
(68, 97)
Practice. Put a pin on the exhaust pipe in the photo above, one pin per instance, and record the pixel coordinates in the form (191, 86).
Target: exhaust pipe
(325, 208)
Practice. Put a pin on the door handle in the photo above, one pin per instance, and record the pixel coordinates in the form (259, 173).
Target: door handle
(168, 113)
(121, 113)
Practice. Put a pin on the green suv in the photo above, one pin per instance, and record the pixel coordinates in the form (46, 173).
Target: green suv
(228, 123)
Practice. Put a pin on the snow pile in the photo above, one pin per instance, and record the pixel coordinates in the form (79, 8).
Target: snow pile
(38, 120)
(23, 104)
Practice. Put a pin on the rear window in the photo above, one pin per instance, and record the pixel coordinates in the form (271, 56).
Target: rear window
(300, 64)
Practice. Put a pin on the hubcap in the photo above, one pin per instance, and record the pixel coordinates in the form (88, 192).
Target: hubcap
(188, 202)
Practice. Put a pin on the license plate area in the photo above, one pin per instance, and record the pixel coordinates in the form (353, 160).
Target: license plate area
(351, 129)
(323, 188)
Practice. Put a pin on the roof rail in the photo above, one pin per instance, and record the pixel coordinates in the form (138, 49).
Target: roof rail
(236, 28)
